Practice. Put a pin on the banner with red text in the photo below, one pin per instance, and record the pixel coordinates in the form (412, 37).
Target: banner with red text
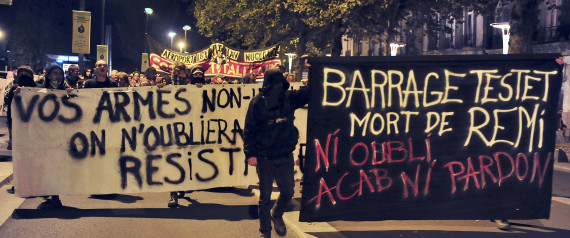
(434, 137)
(216, 59)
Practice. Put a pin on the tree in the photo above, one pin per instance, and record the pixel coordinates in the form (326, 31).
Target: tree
(524, 20)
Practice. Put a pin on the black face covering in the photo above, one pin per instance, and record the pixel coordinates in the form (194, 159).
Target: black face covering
(25, 79)
(273, 96)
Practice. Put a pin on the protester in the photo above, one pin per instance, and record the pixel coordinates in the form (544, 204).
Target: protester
(101, 80)
(123, 79)
(269, 140)
(249, 78)
(72, 76)
(114, 74)
(178, 76)
(88, 74)
(197, 76)
(219, 79)
(151, 79)
(136, 79)
(54, 80)
(24, 78)
(41, 76)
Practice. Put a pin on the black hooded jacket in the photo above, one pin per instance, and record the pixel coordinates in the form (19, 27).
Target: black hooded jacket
(269, 130)
(61, 86)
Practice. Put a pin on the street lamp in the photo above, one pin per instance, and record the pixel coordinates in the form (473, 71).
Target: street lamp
(505, 27)
(186, 28)
(181, 45)
(148, 11)
(171, 35)
(291, 56)
(394, 48)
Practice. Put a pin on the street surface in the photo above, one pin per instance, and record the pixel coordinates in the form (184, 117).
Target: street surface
(228, 212)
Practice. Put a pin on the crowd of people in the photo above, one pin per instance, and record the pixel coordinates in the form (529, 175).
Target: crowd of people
(180, 75)
(54, 77)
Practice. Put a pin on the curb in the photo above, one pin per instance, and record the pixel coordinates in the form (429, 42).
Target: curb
(6, 180)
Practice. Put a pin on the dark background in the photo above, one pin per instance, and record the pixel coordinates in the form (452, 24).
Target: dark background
(45, 27)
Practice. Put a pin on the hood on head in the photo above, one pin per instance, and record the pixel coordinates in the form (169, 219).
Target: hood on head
(48, 71)
(273, 77)
(23, 80)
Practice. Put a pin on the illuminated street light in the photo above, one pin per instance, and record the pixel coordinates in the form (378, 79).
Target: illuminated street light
(148, 11)
(181, 45)
(291, 56)
(171, 35)
(394, 48)
(186, 28)
(505, 27)
(1, 35)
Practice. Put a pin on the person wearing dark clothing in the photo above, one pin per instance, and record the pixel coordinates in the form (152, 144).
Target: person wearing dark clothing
(72, 76)
(178, 76)
(249, 78)
(101, 80)
(269, 140)
(25, 78)
(197, 76)
(54, 78)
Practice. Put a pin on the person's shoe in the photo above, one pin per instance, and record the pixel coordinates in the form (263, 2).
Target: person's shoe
(173, 200)
(279, 225)
(502, 224)
(10, 190)
(266, 234)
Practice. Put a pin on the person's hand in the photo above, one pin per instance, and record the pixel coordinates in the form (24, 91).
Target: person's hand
(161, 84)
(304, 81)
(252, 161)
(199, 85)
(18, 89)
(560, 60)
(69, 90)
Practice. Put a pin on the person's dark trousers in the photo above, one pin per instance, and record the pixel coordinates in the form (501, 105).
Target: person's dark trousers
(281, 169)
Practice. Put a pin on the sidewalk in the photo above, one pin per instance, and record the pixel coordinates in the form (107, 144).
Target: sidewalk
(5, 155)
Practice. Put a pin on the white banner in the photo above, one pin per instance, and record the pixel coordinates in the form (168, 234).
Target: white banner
(132, 140)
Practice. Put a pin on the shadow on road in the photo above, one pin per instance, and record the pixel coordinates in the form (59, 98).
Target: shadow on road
(518, 231)
(117, 197)
(202, 211)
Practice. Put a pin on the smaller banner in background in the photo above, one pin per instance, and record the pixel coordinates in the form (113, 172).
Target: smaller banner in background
(81, 32)
(102, 52)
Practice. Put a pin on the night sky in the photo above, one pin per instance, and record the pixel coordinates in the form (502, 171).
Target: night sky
(126, 18)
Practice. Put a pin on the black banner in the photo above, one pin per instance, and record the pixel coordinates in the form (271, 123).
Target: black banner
(431, 137)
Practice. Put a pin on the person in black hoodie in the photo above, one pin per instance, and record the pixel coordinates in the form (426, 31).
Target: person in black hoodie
(269, 140)
(54, 78)
(197, 76)
(25, 78)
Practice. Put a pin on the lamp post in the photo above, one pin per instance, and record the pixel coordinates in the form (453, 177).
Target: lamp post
(291, 56)
(394, 48)
(181, 45)
(171, 35)
(186, 28)
(505, 27)
(148, 11)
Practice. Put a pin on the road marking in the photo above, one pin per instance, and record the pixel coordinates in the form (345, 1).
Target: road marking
(562, 200)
